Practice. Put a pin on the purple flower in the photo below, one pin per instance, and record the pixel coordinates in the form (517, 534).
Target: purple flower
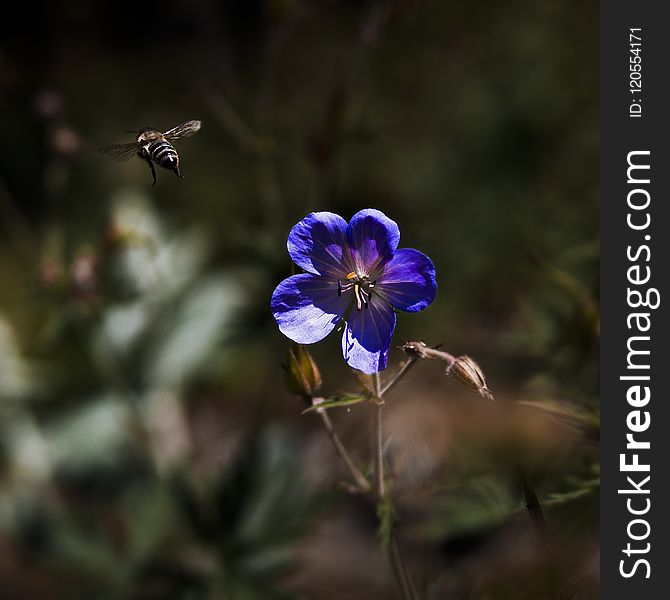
(355, 272)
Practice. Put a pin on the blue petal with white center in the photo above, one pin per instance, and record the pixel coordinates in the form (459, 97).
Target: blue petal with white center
(307, 307)
(353, 269)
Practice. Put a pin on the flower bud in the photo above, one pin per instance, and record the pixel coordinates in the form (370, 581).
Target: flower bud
(467, 371)
(302, 375)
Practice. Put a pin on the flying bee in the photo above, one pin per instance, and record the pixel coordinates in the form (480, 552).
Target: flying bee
(154, 147)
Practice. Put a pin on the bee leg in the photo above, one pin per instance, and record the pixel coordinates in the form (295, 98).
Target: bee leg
(144, 157)
(153, 172)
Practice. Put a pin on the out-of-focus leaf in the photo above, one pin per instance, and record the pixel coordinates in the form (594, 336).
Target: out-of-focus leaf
(96, 561)
(567, 415)
(279, 503)
(256, 511)
(16, 378)
(91, 435)
(28, 455)
(122, 325)
(147, 509)
(580, 489)
(204, 318)
(148, 261)
(471, 507)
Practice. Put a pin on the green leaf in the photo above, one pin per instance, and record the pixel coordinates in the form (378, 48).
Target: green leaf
(337, 401)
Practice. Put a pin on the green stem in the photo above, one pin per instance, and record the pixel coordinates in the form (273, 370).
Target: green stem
(379, 440)
(379, 453)
(400, 570)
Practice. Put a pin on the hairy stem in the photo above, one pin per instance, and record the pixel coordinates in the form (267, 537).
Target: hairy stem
(379, 441)
(406, 366)
(362, 483)
(401, 572)
(379, 453)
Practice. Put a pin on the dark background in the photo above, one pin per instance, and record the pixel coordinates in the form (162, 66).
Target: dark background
(147, 446)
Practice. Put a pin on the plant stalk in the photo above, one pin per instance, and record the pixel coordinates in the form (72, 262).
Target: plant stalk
(401, 572)
(378, 493)
(406, 366)
(361, 482)
(379, 441)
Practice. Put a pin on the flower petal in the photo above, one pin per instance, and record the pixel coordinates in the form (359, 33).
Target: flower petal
(367, 336)
(408, 281)
(307, 307)
(373, 238)
(319, 245)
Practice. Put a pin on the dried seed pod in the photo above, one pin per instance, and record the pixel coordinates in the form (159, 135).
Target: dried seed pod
(467, 371)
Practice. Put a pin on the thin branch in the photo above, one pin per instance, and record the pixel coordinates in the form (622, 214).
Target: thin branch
(379, 439)
(401, 571)
(378, 386)
(406, 366)
(379, 453)
(361, 482)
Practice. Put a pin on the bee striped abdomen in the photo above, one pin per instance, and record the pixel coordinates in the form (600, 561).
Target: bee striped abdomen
(164, 154)
(154, 147)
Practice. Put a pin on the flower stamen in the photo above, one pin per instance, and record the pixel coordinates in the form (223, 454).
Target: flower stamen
(362, 286)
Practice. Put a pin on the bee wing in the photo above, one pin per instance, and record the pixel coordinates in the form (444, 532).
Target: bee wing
(184, 130)
(119, 152)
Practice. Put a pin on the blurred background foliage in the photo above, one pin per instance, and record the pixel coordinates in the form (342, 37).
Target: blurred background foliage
(148, 448)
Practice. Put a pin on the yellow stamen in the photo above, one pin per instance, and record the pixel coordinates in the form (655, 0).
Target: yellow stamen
(357, 294)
